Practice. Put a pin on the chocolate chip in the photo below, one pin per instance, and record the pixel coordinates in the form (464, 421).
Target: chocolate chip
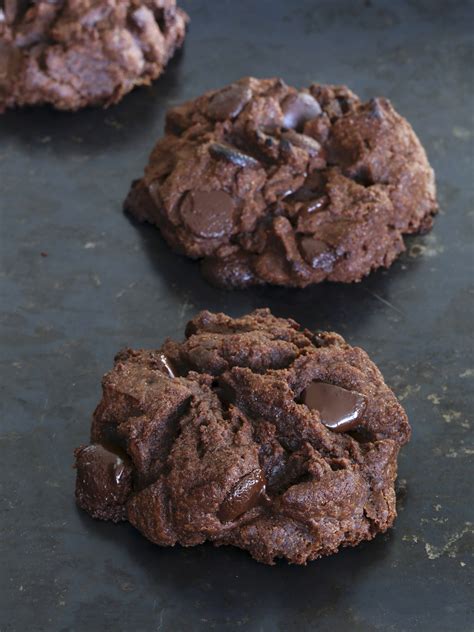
(233, 155)
(317, 253)
(104, 481)
(234, 271)
(208, 214)
(167, 366)
(110, 461)
(298, 109)
(339, 408)
(302, 141)
(244, 496)
(317, 204)
(228, 102)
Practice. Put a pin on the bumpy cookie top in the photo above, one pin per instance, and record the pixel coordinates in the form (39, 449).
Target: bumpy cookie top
(73, 53)
(251, 432)
(269, 184)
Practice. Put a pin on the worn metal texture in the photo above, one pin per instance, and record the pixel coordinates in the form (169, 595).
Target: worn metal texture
(106, 283)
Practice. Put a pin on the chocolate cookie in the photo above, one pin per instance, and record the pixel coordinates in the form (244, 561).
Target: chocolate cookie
(73, 53)
(252, 432)
(268, 184)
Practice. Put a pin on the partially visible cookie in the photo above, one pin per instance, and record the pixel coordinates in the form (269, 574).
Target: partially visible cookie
(252, 432)
(75, 53)
(269, 184)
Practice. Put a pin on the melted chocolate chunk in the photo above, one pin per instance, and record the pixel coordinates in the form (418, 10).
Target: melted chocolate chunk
(340, 409)
(112, 460)
(208, 214)
(244, 496)
(233, 155)
(229, 102)
(317, 204)
(298, 109)
(165, 362)
(232, 272)
(104, 481)
(317, 253)
(301, 140)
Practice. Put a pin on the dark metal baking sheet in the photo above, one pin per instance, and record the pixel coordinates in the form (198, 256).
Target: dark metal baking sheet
(106, 283)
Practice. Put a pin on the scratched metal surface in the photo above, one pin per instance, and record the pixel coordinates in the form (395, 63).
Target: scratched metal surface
(106, 283)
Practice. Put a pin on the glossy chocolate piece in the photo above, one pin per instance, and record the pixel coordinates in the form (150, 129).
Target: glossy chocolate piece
(111, 460)
(298, 109)
(104, 481)
(317, 204)
(302, 141)
(233, 155)
(317, 253)
(208, 214)
(166, 364)
(340, 409)
(228, 102)
(245, 495)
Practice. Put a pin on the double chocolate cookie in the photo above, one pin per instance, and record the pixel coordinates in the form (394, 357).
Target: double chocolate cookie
(252, 432)
(269, 184)
(73, 53)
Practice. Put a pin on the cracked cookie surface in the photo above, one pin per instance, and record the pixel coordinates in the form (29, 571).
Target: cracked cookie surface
(76, 53)
(252, 432)
(268, 184)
